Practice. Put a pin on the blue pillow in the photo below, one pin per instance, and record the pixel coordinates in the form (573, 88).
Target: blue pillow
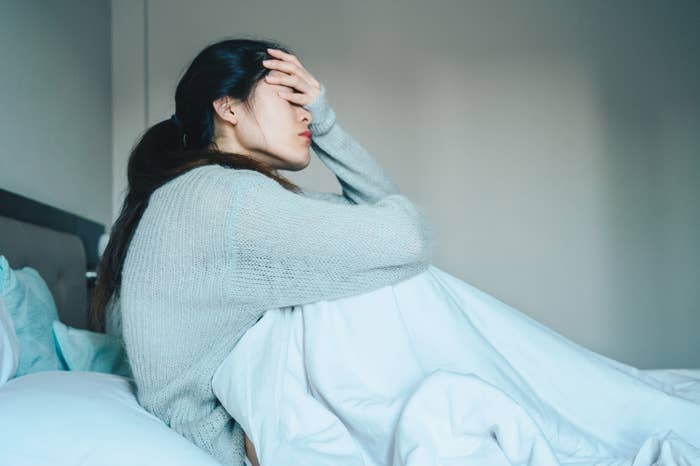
(83, 350)
(33, 310)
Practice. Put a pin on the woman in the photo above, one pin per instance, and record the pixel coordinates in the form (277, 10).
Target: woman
(210, 236)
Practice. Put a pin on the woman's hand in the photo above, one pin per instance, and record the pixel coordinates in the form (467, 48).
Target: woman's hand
(287, 70)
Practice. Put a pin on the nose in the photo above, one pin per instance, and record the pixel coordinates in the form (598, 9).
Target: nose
(306, 116)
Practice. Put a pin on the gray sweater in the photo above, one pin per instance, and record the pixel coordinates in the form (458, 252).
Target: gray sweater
(217, 247)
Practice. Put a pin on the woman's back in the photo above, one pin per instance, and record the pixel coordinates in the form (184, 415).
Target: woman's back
(178, 322)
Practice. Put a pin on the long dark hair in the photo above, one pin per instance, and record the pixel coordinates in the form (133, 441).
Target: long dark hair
(231, 67)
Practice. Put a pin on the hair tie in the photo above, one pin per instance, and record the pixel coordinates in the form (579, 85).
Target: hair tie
(176, 120)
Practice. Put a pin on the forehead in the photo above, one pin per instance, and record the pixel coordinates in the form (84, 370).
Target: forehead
(265, 88)
(267, 93)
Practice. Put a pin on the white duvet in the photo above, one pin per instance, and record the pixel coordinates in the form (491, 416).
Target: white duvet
(9, 345)
(433, 371)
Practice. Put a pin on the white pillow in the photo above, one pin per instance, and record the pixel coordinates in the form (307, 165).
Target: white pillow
(9, 346)
(72, 418)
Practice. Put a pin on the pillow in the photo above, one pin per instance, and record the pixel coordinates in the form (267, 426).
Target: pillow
(63, 418)
(9, 346)
(32, 309)
(83, 350)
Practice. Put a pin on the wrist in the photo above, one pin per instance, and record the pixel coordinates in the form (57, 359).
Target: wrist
(323, 116)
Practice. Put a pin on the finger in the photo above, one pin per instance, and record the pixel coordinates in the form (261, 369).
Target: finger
(291, 82)
(293, 58)
(295, 97)
(282, 65)
(288, 80)
(284, 55)
(291, 68)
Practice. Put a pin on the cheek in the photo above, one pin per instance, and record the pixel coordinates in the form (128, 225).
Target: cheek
(279, 121)
(286, 124)
(281, 116)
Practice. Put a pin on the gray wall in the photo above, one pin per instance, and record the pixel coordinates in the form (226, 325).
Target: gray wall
(55, 104)
(554, 144)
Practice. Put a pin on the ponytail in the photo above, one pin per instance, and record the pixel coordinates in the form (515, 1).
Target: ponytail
(179, 144)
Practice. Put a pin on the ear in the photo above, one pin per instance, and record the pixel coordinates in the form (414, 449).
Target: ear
(224, 108)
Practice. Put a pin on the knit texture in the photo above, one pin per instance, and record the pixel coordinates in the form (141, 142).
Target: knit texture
(217, 247)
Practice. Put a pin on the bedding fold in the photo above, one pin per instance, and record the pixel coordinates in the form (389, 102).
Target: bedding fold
(433, 371)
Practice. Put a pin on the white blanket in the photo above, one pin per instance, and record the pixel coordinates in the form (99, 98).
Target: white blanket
(433, 371)
(9, 345)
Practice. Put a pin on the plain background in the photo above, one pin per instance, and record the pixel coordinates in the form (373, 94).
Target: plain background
(555, 145)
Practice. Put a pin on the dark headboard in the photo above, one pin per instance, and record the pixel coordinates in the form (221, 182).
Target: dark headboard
(60, 245)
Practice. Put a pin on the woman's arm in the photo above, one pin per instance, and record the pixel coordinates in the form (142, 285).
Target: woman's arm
(287, 249)
(360, 175)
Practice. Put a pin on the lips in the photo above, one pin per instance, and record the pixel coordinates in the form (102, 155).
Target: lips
(306, 134)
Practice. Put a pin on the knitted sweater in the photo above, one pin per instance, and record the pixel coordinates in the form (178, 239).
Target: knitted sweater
(217, 247)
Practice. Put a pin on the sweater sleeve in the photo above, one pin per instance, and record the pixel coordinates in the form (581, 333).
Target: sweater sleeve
(362, 178)
(291, 250)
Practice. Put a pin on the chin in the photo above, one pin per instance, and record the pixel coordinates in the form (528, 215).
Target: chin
(300, 164)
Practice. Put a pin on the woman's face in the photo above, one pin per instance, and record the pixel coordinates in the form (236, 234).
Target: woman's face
(270, 132)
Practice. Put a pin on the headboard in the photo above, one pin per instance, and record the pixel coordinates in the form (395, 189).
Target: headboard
(60, 245)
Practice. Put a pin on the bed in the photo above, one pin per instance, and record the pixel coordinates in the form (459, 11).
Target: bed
(73, 417)
(82, 417)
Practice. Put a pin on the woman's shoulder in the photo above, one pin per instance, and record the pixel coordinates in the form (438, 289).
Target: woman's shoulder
(213, 172)
(208, 181)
